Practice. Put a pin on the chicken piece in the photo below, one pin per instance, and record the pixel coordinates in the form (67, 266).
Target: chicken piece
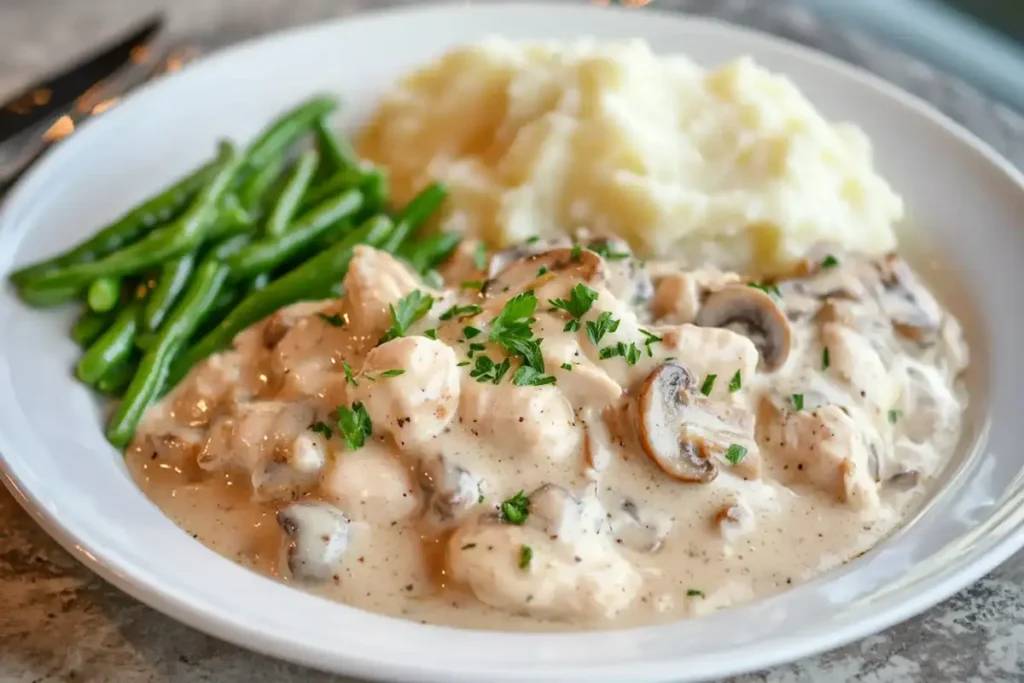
(823, 447)
(709, 351)
(375, 280)
(371, 485)
(276, 326)
(417, 404)
(587, 383)
(307, 353)
(855, 363)
(528, 422)
(272, 443)
(678, 296)
(208, 389)
(571, 570)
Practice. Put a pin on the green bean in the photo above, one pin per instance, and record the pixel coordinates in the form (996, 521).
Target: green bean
(174, 239)
(151, 377)
(172, 282)
(428, 253)
(267, 254)
(287, 203)
(310, 280)
(104, 294)
(146, 340)
(375, 189)
(116, 380)
(257, 283)
(337, 152)
(45, 297)
(88, 328)
(341, 181)
(253, 191)
(113, 346)
(415, 213)
(283, 132)
(131, 226)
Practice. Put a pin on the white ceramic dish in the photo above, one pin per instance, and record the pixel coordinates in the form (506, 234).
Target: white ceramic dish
(966, 199)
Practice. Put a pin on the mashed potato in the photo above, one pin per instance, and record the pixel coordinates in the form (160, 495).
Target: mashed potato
(731, 166)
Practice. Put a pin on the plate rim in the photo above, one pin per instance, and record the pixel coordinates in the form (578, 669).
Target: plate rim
(149, 589)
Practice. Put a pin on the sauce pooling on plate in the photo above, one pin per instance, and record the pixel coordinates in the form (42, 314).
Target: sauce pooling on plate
(563, 436)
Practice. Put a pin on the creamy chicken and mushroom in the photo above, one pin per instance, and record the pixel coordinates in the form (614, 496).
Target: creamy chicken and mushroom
(564, 436)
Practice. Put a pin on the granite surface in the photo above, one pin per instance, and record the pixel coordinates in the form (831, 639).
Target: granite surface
(59, 622)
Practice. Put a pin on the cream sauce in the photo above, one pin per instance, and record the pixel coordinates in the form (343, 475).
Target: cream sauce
(615, 541)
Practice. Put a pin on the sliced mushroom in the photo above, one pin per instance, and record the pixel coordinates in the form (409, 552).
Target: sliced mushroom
(637, 529)
(905, 480)
(501, 260)
(451, 489)
(317, 536)
(734, 520)
(913, 310)
(662, 405)
(754, 314)
(581, 264)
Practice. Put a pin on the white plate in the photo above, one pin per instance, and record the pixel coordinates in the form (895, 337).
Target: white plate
(966, 199)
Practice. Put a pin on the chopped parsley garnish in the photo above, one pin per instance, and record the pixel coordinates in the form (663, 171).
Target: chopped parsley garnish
(566, 366)
(576, 251)
(354, 424)
(767, 289)
(580, 300)
(597, 329)
(486, 370)
(649, 338)
(709, 384)
(829, 261)
(462, 364)
(480, 256)
(736, 383)
(694, 593)
(410, 309)
(543, 270)
(431, 333)
(470, 332)
(533, 239)
(511, 330)
(630, 352)
(321, 427)
(604, 250)
(736, 453)
(333, 320)
(392, 373)
(461, 311)
(468, 546)
(825, 360)
(525, 555)
(471, 284)
(475, 348)
(526, 376)
(516, 509)
(798, 401)
(349, 377)
(894, 416)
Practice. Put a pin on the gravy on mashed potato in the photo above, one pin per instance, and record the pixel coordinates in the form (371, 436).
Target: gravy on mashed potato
(731, 166)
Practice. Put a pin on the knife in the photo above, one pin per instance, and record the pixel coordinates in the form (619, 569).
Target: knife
(42, 101)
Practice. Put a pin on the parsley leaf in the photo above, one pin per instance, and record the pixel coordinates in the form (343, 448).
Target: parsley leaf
(694, 593)
(605, 323)
(580, 300)
(470, 332)
(630, 352)
(410, 309)
(486, 370)
(526, 376)
(604, 250)
(736, 453)
(525, 556)
(767, 289)
(462, 364)
(709, 384)
(349, 377)
(471, 284)
(736, 383)
(798, 401)
(480, 256)
(894, 416)
(511, 329)
(392, 373)
(461, 311)
(567, 367)
(543, 270)
(576, 251)
(825, 360)
(649, 338)
(333, 320)
(321, 427)
(431, 333)
(355, 425)
(829, 261)
(516, 509)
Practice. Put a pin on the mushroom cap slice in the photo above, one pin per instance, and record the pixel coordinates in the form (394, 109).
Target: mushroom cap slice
(451, 489)
(317, 536)
(661, 405)
(754, 314)
(913, 310)
(582, 265)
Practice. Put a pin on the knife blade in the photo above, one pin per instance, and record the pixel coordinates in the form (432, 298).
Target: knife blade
(46, 99)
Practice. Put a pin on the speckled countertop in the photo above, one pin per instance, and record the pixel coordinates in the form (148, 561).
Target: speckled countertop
(59, 622)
